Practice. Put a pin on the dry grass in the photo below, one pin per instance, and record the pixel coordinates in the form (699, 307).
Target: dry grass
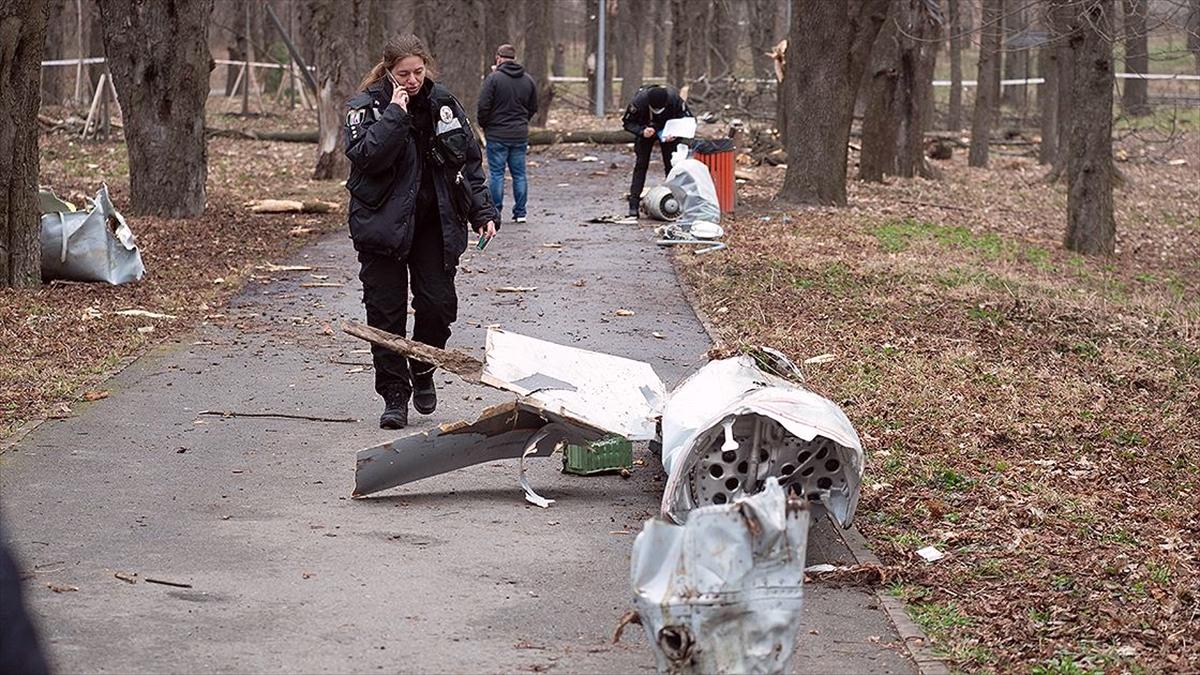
(1032, 413)
(63, 337)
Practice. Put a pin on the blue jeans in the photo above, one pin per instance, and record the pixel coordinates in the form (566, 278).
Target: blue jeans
(512, 154)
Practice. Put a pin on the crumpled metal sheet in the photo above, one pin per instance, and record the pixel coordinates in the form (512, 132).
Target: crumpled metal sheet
(723, 592)
(590, 389)
(92, 245)
(504, 431)
(731, 425)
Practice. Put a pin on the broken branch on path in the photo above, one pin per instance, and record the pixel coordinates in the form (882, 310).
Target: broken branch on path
(176, 584)
(287, 416)
(465, 366)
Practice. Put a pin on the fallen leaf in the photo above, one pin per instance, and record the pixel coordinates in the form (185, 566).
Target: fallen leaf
(624, 312)
(94, 395)
(61, 589)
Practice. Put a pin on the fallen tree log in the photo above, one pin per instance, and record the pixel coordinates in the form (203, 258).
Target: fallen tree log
(601, 137)
(536, 136)
(465, 366)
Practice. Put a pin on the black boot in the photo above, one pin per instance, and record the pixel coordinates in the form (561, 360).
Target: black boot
(395, 412)
(424, 392)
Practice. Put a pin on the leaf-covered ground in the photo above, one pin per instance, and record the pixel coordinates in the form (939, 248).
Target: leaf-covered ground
(1032, 413)
(63, 337)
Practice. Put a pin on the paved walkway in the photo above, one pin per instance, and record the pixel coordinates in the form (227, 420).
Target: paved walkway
(452, 574)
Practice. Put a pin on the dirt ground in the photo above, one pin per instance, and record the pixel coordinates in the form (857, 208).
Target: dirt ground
(1033, 414)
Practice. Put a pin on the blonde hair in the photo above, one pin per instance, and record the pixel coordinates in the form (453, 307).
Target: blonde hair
(397, 49)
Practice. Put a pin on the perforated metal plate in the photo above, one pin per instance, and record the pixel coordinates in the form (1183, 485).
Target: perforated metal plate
(807, 468)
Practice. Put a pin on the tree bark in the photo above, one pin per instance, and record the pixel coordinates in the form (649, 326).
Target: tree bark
(761, 17)
(537, 53)
(1048, 104)
(955, 119)
(881, 124)
(22, 41)
(458, 49)
(696, 22)
(632, 55)
(1061, 20)
(678, 66)
(659, 38)
(497, 30)
(1091, 228)
(1193, 32)
(918, 57)
(1135, 94)
(159, 59)
(343, 56)
(1016, 60)
(56, 34)
(722, 39)
(981, 119)
(820, 88)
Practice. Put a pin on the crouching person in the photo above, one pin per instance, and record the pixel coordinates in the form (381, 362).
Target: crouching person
(416, 183)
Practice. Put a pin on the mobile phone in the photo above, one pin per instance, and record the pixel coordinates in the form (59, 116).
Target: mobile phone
(483, 241)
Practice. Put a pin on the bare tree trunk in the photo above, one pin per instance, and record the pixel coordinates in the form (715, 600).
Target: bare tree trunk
(537, 53)
(1135, 96)
(880, 122)
(981, 120)
(918, 55)
(998, 63)
(458, 48)
(159, 59)
(659, 38)
(1048, 104)
(22, 41)
(722, 34)
(632, 55)
(1091, 228)
(820, 88)
(1061, 19)
(340, 29)
(1193, 32)
(1016, 60)
(956, 76)
(677, 68)
(761, 18)
(696, 22)
(52, 77)
(497, 29)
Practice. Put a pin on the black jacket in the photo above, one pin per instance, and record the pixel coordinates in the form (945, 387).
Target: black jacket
(638, 115)
(386, 168)
(507, 102)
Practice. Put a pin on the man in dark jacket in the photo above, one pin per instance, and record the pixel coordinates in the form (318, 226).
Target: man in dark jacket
(506, 104)
(645, 118)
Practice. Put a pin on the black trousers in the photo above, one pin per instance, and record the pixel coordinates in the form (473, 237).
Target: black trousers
(642, 148)
(386, 283)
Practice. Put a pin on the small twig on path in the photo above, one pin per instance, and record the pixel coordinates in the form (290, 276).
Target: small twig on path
(176, 584)
(310, 418)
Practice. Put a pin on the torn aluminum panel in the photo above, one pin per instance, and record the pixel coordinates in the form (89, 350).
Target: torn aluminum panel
(600, 391)
(731, 426)
(723, 592)
(504, 431)
(91, 245)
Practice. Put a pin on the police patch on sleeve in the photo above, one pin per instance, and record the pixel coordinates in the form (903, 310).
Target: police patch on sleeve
(446, 114)
(355, 117)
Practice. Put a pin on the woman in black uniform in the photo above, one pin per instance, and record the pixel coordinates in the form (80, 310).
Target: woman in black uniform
(415, 184)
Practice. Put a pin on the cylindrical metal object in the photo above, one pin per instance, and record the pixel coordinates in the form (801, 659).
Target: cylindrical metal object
(661, 204)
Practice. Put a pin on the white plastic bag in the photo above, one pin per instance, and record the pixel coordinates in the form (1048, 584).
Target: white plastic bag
(96, 245)
(693, 187)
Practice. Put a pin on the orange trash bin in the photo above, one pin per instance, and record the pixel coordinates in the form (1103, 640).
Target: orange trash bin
(718, 156)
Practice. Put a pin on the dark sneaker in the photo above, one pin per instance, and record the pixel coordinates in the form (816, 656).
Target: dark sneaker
(633, 212)
(424, 393)
(395, 412)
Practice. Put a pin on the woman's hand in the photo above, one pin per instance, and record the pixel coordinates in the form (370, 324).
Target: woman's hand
(488, 230)
(400, 98)
(648, 132)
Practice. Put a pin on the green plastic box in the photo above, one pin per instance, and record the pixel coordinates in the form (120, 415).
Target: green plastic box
(611, 453)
